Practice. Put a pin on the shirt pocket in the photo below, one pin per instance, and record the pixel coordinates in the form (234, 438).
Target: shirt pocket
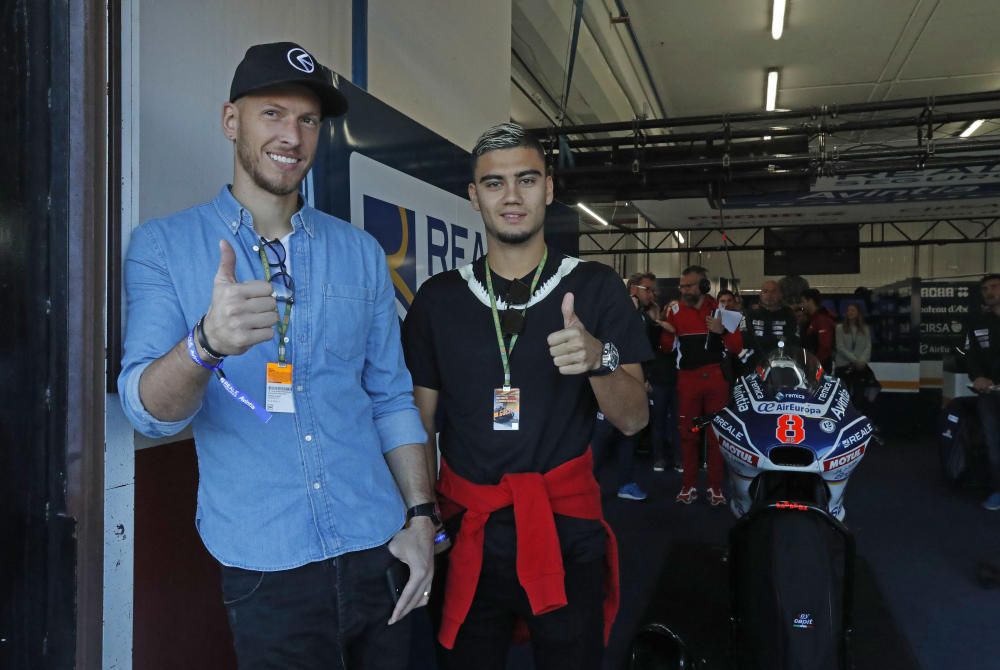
(347, 315)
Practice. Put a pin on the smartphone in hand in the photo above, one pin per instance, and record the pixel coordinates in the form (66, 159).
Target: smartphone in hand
(396, 576)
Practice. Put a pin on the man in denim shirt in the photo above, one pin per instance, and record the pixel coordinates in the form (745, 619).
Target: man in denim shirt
(311, 498)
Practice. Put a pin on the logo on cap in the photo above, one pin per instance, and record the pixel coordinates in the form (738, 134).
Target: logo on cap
(301, 60)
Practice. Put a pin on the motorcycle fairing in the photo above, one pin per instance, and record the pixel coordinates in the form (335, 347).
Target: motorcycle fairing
(822, 422)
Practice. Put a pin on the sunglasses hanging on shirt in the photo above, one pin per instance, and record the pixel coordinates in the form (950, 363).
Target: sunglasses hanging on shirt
(284, 287)
(512, 320)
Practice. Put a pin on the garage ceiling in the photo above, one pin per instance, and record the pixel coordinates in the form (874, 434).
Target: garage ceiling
(682, 58)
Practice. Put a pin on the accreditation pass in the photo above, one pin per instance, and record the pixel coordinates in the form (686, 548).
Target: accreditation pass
(278, 397)
(506, 409)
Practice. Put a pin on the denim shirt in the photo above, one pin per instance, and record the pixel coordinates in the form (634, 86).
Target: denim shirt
(305, 486)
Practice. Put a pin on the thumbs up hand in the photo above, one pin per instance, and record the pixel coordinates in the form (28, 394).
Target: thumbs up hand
(242, 314)
(574, 350)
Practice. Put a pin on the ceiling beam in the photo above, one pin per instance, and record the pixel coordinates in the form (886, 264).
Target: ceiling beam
(762, 247)
(745, 117)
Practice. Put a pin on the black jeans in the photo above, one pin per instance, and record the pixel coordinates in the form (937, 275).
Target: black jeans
(988, 405)
(663, 422)
(332, 614)
(569, 638)
(605, 438)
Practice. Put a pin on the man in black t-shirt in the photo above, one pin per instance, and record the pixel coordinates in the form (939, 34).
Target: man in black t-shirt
(982, 341)
(769, 321)
(661, 376)
(517, 352)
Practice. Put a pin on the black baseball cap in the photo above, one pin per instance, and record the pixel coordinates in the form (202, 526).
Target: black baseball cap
(266, 65)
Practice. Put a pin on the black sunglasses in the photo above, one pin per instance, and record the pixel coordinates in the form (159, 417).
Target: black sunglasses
(284, 287)
(512, 320)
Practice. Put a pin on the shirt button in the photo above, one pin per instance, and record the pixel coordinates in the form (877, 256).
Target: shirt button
(316, 485)
(300, 388)
(256, 248)
(309, 438)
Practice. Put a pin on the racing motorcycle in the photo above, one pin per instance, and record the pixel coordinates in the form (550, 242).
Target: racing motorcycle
(788, 417)
(791, 438)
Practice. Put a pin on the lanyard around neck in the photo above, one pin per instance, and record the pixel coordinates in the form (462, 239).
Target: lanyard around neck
(282, 325)
(506, 351)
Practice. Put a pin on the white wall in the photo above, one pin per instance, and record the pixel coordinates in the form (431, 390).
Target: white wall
(188, 52)
(444, 63)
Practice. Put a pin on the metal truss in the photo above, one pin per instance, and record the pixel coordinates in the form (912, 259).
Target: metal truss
(759, 152)
(651, 240)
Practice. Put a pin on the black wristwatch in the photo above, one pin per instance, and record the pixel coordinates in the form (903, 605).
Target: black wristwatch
(609, 361)
(425, 509)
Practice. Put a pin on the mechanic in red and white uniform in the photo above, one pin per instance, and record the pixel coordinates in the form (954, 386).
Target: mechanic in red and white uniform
(694, 329)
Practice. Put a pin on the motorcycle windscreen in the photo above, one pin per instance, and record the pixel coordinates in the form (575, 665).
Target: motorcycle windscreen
(789, 572)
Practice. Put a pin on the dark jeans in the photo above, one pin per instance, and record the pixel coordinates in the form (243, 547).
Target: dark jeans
(607, 437)
(663, 424)
(326, 615)
(988, 406)
(569, 638)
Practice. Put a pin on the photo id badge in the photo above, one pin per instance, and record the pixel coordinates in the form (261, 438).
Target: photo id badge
(506, 409)
(279, 388)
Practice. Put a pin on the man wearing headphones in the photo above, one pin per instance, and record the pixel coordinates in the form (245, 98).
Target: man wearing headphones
(696, 332)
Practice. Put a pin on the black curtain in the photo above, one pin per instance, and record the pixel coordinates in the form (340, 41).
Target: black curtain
(37, 549)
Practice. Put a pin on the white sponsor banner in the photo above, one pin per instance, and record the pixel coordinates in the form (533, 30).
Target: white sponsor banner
(446, 231)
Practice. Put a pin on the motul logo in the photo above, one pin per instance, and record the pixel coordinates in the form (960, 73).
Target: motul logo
(843, 460)
(741, 455)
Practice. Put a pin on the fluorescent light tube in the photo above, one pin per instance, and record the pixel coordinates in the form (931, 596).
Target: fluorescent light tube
(772, 90)
(680, 238)
(778, 19)
(973, 127)
(588, 210)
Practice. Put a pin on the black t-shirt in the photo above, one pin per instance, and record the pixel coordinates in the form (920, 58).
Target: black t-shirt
(662, 369)
(982, 342)
(451, 346)
(765, 327)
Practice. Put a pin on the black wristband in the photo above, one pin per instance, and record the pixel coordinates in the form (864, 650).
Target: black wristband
(203, 340)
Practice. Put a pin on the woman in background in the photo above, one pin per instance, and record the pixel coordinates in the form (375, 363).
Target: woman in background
(854, 344)
(854, 350)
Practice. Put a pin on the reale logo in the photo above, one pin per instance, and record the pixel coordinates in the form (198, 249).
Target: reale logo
(423, 229)
(395, 229)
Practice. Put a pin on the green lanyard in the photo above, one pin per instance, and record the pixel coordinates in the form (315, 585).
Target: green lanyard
(505, 352)
(282, 325)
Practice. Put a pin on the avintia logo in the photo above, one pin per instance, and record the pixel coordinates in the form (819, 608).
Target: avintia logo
(803, 620)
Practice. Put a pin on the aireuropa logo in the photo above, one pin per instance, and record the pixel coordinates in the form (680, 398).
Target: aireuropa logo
(422, 228)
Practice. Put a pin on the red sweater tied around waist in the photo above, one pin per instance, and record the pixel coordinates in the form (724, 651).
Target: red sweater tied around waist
(569, 490)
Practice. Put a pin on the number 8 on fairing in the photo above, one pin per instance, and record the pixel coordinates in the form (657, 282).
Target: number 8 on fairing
(790, 430)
